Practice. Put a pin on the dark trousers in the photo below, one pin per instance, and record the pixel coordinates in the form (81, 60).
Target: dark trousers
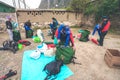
(102, 36)
(53, 33)
(26, 33)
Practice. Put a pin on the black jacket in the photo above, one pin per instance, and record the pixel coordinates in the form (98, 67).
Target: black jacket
(8, 25)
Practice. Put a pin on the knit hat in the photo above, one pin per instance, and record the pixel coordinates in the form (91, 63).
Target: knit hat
(8, 17)
(104, 17)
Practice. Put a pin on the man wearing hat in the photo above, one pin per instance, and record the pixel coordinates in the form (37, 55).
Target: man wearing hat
(9, 27)
(104, 29)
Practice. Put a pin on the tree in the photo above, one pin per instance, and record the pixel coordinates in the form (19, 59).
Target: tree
(97, 7)
(78, 5)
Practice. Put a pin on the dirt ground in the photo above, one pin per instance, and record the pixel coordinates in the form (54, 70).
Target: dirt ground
(88, 54)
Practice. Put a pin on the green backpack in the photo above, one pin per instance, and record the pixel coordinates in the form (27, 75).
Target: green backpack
(85, 35)
(65, 53)
(16, 35)
(29, 34)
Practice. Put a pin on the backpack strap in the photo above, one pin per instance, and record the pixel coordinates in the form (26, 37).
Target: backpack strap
(73, 61)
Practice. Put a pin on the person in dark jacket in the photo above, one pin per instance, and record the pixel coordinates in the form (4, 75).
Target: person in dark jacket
(104, 29)
(53, 26)
(27, 26)
(9, 27)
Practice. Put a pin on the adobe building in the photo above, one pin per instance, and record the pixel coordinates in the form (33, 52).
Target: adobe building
(6, 10)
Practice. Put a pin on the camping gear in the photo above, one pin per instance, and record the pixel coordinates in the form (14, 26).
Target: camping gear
(36, 39)
(40, 35)
(16, 35)
(65, 53)
(94, 41)
(29, 33)
(49, 52)
(53, 68)
(51, 46)
(20, 46)
(9, 74)
(10, 45)
(35, 54)
(42, 47)
(33, 69)
(84, 35)
(112, 58)
(49, 32)
(24, 42)
(14, 25)
(79, 36)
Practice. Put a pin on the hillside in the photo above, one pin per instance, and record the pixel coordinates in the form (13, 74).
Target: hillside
(54, 4)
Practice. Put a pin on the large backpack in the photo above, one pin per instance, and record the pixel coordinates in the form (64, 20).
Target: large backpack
(84, 36)
(16, 35)
(53, 68)
(66, 54)
(10, 45)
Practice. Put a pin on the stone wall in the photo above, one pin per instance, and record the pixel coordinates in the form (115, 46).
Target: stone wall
(43, 17)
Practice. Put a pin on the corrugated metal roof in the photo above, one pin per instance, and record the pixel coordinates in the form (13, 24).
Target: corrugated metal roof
(6, 4)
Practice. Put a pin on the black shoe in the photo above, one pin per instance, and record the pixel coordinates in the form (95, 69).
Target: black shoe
(100, 44)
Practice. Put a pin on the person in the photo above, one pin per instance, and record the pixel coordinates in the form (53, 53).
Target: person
(27, 26)
(65, 36)
(104, 29)
(53, 26)
(9, 27)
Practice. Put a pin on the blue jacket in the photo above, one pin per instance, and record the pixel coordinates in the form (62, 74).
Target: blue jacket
(27, 27)
(96, 28)
(67, 33)
(54, 24)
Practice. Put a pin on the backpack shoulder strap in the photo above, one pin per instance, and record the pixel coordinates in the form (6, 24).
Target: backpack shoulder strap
(73, 61)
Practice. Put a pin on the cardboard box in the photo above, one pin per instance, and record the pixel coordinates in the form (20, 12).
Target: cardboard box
(112, 58)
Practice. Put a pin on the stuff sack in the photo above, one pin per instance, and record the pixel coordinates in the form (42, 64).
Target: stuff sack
(35, 55)
(84, 35)
(49, 52)
(42, 47)
(16, 35)
(65, 53)
(36, 39)
(53, 68)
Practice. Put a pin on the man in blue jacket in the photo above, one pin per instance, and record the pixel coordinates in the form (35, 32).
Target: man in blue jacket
(27, 27)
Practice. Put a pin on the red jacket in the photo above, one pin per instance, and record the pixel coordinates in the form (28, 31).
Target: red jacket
(106, 27)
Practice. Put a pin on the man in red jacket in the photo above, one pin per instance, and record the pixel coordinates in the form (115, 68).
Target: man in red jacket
(104, 29)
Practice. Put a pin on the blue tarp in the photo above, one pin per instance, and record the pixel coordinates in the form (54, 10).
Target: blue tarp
(33, 69)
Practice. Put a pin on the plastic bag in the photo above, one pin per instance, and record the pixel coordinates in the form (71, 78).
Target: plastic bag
(35, 55)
